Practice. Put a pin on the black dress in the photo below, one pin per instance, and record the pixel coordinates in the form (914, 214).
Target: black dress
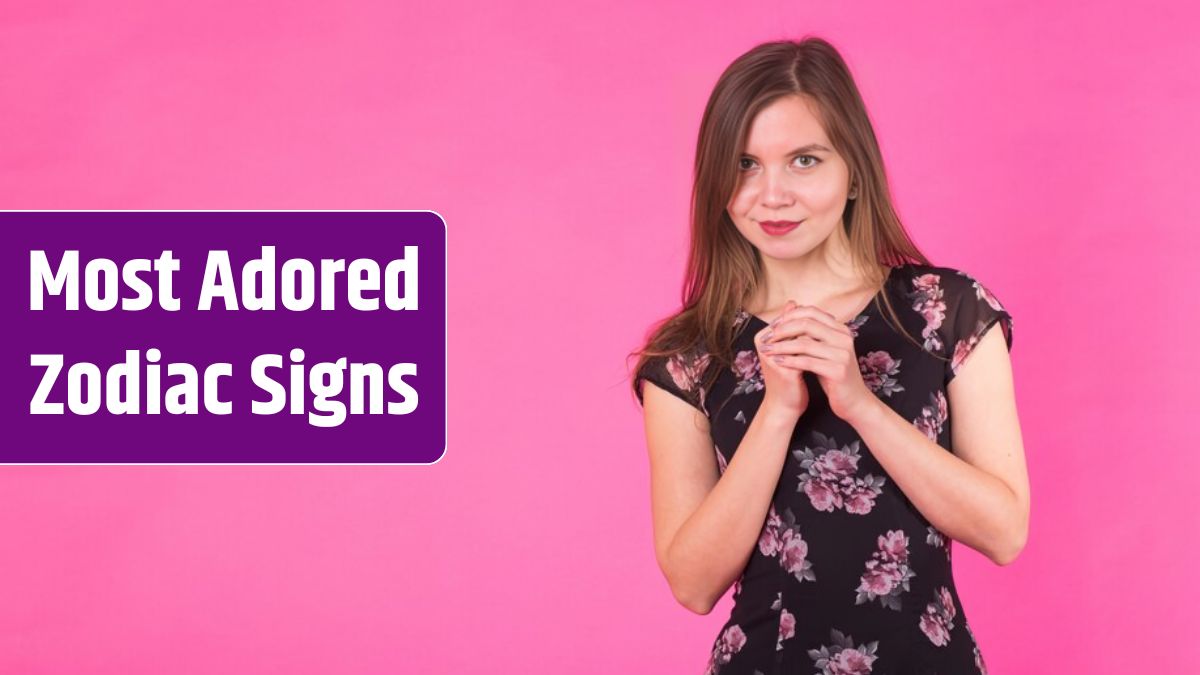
(848, 577)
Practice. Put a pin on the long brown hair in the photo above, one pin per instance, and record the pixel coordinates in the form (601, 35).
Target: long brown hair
(724, 270)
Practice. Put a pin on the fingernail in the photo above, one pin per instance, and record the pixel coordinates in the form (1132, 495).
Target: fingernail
(778, 359)
(767, 335)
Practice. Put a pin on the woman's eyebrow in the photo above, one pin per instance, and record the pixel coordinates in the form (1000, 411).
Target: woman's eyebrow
(811, 147)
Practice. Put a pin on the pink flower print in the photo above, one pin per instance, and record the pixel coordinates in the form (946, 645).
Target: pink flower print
(894, 545)
(982, 293)
(781, 537)
(722, 463)
(856, 323)
(975, 648)
(961, 349)
(823, 496)
(851, 662)
(928, 301)
(933, 416)
(794, 558)
(769, 541)
(934, 537)
(878, 372)
(843, 657)
(745, 366)
(926, 283)
(876, 581)
(730, 643)
(938, 618)
(686, 372)
(934, 629)
(787, 622)
(964, 346)
(829, 477)
(947, 600)
(787, 628)
(748, 371)
(887, 572)
(835, 464)
(859, 498)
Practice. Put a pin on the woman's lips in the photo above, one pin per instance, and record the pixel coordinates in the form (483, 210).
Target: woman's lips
(779, 227)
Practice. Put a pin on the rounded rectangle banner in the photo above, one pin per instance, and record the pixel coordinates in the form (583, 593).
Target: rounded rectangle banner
(225, 337)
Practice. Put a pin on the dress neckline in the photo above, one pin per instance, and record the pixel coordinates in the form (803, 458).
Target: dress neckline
(754, 318)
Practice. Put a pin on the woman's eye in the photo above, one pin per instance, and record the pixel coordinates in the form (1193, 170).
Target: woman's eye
(745, 163)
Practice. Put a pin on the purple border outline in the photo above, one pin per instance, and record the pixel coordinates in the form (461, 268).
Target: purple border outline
(446, 281)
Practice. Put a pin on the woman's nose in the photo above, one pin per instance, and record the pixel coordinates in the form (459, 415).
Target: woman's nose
(776, 191)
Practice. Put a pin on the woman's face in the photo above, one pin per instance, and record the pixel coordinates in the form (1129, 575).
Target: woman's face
(789, 173)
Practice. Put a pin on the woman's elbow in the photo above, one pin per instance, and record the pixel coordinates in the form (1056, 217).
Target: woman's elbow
(1013, 547)
(686, 594)
(692, 598)
(694, 602)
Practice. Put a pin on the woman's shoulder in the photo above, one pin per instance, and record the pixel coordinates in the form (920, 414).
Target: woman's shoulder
(680, 372)
(919, 268)
(940, 280)
(956, 308)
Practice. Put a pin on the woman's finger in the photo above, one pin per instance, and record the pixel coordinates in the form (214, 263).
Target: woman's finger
(805, 363)
(801, 344)
(810, 324)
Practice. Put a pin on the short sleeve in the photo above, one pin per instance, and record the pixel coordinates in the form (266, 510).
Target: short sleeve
(971, 311)
(678, 374)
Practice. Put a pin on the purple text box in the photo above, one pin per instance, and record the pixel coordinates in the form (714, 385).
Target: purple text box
(413, 434)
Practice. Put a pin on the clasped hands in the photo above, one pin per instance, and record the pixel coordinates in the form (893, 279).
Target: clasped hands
(807, 338)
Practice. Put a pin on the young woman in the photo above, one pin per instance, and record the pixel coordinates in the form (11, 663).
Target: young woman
(860, 405)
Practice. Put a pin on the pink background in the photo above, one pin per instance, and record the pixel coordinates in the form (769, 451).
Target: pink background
(1049, 150)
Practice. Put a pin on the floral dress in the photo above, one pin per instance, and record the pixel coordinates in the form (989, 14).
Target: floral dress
(848, 577)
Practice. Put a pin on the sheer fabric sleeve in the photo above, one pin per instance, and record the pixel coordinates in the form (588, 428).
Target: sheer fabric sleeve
(971, 311)
(679, 375)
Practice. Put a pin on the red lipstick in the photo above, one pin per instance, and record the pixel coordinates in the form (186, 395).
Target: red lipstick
(779, 228)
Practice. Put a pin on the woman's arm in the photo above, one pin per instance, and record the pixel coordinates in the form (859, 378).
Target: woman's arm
(979, 494)
(705, 529)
